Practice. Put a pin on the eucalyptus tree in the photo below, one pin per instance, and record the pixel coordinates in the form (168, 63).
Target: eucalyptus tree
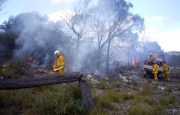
(117, 20)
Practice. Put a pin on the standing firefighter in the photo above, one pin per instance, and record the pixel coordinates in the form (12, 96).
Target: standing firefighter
(59, 63)
(166, 72)
(155, 71)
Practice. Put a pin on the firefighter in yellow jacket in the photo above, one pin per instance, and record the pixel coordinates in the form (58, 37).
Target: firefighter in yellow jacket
(59, 63)
(155, 71)
(166, 71)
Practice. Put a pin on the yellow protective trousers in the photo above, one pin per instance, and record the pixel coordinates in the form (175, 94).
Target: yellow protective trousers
(61, 70)
(167, 76)
(155, 77)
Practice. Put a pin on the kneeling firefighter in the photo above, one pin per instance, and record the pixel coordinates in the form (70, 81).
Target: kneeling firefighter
(59, 63)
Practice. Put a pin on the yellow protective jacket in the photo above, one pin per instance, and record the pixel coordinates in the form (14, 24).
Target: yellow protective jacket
(59, 63)
(165, 68)
(155, 68)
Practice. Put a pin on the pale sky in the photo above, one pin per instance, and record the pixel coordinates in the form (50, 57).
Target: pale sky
(162, 19)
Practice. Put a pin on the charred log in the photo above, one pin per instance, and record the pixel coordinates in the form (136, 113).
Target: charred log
(9, 84)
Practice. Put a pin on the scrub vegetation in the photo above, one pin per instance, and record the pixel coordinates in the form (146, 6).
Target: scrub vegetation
(56, 100)
(108, 97)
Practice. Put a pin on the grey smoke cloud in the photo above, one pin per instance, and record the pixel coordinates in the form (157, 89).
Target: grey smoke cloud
(42, 38)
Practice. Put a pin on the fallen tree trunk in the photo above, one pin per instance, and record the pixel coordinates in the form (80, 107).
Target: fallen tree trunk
(37, 82)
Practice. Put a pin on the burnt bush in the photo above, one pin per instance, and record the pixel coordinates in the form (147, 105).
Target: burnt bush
(7, 45)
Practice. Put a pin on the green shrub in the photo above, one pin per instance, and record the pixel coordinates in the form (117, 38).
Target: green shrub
(112, 96)
(145, 106)
(97, 112)
(6, 97)
(65, 100)
(168, 89)
(145, 109)
(91, 85)
(146, 91)
(102, 84)
(127, 96)
(72, 90)
(62, 99)
(166, 101)
(106, 100)
(102, 103)
(134, 82)
(24, 97)
(114, 84)
(147, 100)
(15, 69)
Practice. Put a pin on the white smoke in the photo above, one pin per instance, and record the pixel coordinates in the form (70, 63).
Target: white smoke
(38, 37)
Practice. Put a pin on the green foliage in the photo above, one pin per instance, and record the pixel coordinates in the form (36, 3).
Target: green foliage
(155, 85)
(24, 97)
(145, 109)
(15, 69)
(101, 103)
(147, 100)
(166, 101)
(112, 96)
(145, 106)
(127, 96)
(7, 43)
(97, 112)
(63, 99)
(134, 83)
(114, 84)
(6, 97)
(110, 84)
(168, 89)
(146, 91)
(56, 103)
(102, 84)
(106, 100)
(91, 85)
(72, 90)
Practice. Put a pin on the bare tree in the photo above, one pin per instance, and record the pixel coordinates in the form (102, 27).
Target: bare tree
(117, 20)
(77, 24)
(1, 4)
(128, 43)
(77, 20)
(98, 28)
